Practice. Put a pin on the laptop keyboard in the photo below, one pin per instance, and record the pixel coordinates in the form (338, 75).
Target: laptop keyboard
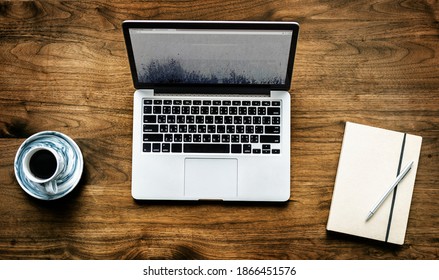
(211, 126)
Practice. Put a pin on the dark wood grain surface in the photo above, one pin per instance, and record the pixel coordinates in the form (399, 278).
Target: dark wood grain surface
(63, 67)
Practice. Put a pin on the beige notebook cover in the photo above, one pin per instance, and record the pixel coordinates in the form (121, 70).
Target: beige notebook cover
(369, 163)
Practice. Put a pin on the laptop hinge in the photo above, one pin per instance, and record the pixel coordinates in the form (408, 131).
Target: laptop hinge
(210, 91)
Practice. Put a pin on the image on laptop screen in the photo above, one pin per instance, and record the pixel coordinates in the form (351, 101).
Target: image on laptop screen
(204, 56)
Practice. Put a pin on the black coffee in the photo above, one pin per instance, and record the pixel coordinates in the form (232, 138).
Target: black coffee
(43, 164)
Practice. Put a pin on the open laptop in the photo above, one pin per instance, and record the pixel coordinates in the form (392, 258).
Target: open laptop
(211, 109)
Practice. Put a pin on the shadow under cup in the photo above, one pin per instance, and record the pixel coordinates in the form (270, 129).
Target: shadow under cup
(48, 165)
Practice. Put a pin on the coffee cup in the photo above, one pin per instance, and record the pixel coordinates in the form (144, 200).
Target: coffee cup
(48, 165)
(42, 165)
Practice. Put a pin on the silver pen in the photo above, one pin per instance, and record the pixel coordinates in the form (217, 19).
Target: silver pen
(392, 187)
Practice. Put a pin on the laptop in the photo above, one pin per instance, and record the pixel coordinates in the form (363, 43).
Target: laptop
(211, 109)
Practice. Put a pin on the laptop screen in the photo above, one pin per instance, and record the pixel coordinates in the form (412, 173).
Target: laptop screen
(211, 56)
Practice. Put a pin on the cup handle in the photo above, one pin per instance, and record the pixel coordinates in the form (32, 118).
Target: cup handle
(51, 187)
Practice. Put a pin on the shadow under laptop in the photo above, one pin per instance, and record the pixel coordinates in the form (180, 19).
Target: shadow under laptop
(204, 202)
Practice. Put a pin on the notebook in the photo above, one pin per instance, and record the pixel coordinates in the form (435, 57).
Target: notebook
(370, 160)
(211, 109)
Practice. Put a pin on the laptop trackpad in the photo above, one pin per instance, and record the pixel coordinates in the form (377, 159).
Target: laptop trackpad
(211, 178)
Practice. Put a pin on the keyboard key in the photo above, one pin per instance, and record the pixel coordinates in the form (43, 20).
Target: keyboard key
(150, 128)
(211, 129)
(164, 128)
(249, 129)
(269, 139)
(265, 103)
(206, 137)
(181, 119)
(245, 138)
(196, 138)
(259, 129)
(216, 102)
(147, 147)
(207, 102)
(166, 148)
(167, 110)
(178, 137)
(214, 110)
(256, 151)
(272, 129)
(175, 110)
(153, 137)
(199, 119)
(156, 148)
(273, 111)
(161, 119)
(275, 120)
(204, 110)
(256, 103)
(247, 148)
(167, 102)
(187, 102)
(201, 128)
(157, 110)
(236, 103)
(219, 119)
(220, 128)
(206, 148)
(168, 137)
(195, 110)
(237, 120)
(157, 102)
(149, 119)
(208, 119)
(275, 151)
(182, 128)
(147, 101)
(236, 148)
(276, 103)
(225, 138)
(178, 102)
(192, 128)
(147, 109)
(173, 128)
(185, 110)
(176, 148)
(252, 110)
(187, 138)
(240, 129)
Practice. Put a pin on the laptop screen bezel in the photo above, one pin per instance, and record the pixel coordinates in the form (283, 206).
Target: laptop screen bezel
(211, 25)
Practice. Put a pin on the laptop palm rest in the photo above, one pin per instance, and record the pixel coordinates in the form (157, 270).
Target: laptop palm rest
(211, 178)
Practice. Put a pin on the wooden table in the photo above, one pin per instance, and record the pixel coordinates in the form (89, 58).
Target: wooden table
(64, 67)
